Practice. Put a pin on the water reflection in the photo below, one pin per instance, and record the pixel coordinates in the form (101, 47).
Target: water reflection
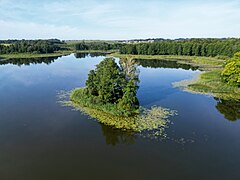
(29, 61)
(229, 108)
(40, 137)
(155, 63)
(115, 136)
(92, 54)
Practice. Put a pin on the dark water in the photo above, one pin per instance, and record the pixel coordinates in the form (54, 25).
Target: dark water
(40, 140)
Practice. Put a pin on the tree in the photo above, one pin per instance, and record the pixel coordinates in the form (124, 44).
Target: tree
(189, 47)
(129, 103)
(109, 81)
(115, 85)
(129, 69)
(31, 46)
(231, 72)
(91, 84)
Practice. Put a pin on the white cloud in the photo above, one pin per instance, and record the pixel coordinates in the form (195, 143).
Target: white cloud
(119, 19)
(22, 30)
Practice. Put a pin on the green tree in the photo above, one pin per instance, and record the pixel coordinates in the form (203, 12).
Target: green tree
(231, 72)
(109, 81)
(114, 86)
(129, 103)
(91, 84)
(189, 47)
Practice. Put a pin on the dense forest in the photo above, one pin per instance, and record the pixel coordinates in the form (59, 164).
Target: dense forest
(188, 47)
(98, 45)
(29, 46)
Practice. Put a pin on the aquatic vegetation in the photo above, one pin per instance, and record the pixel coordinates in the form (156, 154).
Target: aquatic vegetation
(110, 96)
(155, 119)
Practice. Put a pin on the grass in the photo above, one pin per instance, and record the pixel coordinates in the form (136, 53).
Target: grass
(57, 53)
(6, 44)
(210, 83)
(155, 118)
(32, 55)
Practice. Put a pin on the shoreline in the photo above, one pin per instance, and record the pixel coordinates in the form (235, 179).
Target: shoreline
(56, 54)
(137, 123)
(203, 63)
(31, 55)
(207, 81)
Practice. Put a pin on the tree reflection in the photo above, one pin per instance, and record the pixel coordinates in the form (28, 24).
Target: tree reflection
(29, 61)
(81, 55)
(116, 136)
(229, 108)
(155, 63)
(92, 54)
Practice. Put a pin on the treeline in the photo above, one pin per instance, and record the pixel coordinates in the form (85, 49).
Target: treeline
(29, 46)
(191, 47)
(103, 46)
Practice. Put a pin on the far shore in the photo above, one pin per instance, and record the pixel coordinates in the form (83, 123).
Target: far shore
(38, 55)
(207, 82)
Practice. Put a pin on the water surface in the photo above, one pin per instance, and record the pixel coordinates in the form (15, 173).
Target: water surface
(39, 139)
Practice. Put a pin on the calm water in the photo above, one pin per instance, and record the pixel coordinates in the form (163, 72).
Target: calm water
(40, 140)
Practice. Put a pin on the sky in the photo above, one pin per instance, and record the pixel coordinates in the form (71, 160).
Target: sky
(119, 19)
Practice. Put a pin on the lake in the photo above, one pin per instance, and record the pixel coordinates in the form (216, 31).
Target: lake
(42, 140)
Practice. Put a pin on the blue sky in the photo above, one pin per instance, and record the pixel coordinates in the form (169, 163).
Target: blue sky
(118, 19)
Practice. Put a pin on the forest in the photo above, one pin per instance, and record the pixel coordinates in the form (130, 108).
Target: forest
(29, 46)
(188, 47)
(98, 45)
